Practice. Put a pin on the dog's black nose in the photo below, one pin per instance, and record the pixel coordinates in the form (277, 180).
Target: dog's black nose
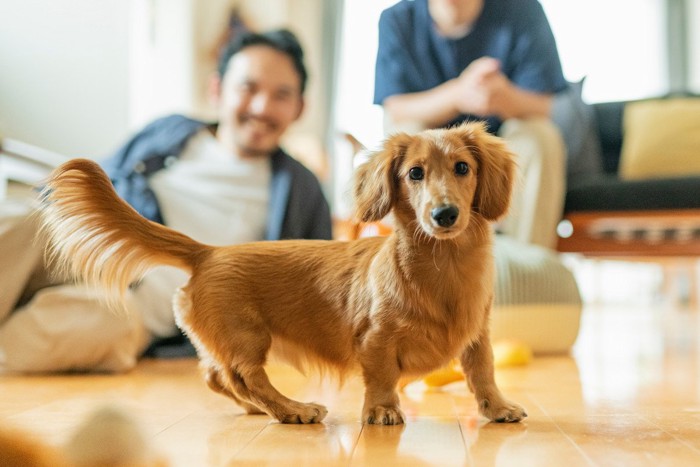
(445, 216)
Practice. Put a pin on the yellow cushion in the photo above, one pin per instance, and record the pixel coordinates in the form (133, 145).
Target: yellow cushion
(661, 139)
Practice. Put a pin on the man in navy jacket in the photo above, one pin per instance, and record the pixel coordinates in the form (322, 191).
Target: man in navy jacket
(221, 184)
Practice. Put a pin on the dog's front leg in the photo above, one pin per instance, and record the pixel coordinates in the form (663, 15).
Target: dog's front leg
(381, 372)
(477, 363)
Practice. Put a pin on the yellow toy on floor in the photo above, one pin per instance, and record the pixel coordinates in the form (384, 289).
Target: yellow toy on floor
(506, 353)
(445, 375)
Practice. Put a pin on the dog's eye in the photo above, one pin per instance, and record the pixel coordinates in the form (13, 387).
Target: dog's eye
(461, 168)
(416, 173)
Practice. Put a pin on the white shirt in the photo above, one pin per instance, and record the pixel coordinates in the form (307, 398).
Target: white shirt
(212, 195)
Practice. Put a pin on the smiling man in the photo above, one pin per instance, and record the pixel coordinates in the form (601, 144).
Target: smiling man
(221, 184)
(259, 92)
(235, 170)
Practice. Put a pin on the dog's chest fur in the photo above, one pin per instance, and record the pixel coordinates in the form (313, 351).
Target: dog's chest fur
(442, 307)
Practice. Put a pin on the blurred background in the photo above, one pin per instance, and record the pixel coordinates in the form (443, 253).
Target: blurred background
(77, 77)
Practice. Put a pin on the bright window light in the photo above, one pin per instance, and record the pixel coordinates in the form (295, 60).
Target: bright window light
(619, 46)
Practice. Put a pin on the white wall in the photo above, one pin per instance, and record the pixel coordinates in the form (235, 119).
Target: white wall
(161, 59)
(64, 73)
(694, 49)
(78, 76)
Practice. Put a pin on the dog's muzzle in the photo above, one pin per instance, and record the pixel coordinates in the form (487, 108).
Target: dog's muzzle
(445, 216)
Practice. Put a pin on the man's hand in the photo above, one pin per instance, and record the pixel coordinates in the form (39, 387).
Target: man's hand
(483, 90)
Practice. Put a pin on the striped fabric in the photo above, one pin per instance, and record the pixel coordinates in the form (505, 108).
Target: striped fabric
(537, 301)
(528, 274)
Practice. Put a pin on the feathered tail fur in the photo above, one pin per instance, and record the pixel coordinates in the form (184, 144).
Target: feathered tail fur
(94, 235)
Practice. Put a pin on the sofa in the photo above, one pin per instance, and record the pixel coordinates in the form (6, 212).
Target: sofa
(645, 198)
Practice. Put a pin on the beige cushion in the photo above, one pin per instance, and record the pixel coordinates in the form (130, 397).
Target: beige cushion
(661, 139)
(537, 300)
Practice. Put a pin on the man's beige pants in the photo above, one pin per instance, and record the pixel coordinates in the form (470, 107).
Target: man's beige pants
(48, 327)
(538, 197)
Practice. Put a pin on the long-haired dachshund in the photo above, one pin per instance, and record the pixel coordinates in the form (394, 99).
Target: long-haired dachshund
(391, 307)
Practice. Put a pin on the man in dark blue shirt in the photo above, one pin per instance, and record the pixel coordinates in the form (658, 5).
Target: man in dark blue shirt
(441, 62)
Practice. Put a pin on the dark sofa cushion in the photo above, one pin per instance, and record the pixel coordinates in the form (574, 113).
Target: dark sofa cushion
(609, 193)
(608, 117)
(577, 122)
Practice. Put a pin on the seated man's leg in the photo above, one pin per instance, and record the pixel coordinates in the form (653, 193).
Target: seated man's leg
(49, 326)
(68, 327)
(538, 198)
(20, 253)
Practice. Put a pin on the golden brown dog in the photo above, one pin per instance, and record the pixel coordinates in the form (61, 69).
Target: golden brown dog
(396, 306)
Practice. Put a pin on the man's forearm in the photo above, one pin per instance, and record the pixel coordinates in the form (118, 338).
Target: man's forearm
(437, 106)
(525, 104)
(426, 109)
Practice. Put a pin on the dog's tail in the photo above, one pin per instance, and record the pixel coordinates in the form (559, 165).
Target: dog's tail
(94, 235)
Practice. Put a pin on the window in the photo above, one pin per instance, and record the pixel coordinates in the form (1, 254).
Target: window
(354, 112)
(619, 46)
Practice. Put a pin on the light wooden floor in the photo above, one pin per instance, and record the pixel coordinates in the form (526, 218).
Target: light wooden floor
(628, 395)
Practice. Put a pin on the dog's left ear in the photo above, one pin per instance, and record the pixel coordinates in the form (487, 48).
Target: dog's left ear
(496, 173)
(375, 181)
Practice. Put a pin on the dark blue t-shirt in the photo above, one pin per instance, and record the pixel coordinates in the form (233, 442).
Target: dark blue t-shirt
(413, 57)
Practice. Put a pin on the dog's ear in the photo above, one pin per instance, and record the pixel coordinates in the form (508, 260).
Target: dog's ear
(376, 182)
(496, 173)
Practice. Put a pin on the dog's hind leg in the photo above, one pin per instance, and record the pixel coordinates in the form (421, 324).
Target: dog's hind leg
(182, 305)
(235, 344)
(212, 378)
(241, 371)
(477, 363)
(253, 384)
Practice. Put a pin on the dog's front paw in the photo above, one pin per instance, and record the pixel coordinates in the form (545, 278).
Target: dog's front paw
(304, 413)
(381, 415)
(501, 411)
